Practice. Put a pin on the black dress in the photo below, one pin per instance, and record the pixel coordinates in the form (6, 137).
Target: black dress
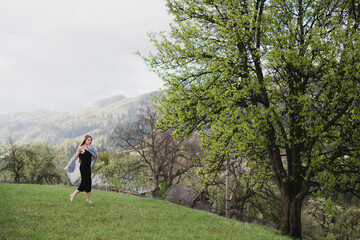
(85, 171)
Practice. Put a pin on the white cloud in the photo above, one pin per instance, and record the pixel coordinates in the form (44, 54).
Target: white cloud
(52, 51)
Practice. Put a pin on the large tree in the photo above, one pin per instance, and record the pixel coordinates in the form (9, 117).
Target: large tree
(277, 81)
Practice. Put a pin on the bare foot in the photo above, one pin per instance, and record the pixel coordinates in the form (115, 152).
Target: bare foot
(89, 201)
(71, 197)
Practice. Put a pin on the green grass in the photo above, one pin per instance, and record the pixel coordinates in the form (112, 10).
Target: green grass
(45, 212)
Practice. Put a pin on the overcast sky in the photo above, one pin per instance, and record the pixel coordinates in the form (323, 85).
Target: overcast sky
(65, 55)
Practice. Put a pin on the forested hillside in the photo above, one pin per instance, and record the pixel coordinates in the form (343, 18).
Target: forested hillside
(53, 128)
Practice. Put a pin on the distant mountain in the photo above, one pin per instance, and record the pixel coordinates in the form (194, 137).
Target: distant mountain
(53, 128)
(110, 100)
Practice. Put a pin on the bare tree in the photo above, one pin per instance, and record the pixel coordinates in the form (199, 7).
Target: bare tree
(166, 157)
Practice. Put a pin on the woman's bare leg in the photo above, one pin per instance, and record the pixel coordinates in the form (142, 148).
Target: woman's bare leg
(73, 195)
(88, 197)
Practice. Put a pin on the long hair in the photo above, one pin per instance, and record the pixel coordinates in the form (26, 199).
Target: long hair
(85, 138)
(83, 142)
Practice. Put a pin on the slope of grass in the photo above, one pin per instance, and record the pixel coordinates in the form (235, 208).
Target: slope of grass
(45, 212)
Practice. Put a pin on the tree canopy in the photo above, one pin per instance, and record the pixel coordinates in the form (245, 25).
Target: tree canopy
(277, 82)
(32, 163)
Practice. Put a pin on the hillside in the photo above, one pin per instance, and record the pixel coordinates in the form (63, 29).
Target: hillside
(49, 127)
(45, 212)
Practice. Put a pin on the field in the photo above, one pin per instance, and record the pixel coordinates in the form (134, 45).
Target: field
(45, 212)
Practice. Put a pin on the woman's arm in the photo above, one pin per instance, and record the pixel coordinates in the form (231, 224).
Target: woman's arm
(79, 150)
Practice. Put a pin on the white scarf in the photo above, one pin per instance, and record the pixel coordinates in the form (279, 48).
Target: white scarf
(73, 167)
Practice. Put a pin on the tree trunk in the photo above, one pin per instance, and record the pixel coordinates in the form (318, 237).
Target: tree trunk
(156, 191)
(292, 215)
(241, 209)
(227, 211)
(17, 176)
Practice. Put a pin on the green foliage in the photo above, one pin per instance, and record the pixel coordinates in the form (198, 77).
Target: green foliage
(267, 205)
(320, 215)
(347, 225)
(163, 188)
(125, 171)
(103, 157)
(69, 147)
(325, 220)
(41, 165)
(311, 230)
(32, 163)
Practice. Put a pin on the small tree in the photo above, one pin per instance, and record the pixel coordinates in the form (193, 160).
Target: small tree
(40, 164)
(124, 170)
(13, 160)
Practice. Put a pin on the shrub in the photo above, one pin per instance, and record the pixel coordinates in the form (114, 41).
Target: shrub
(347, 225)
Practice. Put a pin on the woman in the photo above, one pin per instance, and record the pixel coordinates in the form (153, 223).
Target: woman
(87, 155)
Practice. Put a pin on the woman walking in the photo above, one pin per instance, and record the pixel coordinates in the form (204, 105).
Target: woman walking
(87, 155)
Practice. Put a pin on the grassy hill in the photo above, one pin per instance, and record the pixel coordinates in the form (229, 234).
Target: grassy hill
(45, 212)
(52, 128)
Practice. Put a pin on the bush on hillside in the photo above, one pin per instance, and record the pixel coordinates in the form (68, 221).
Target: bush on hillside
(347, 225)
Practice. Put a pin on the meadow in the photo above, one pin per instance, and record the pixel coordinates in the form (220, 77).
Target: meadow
(45, 212)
